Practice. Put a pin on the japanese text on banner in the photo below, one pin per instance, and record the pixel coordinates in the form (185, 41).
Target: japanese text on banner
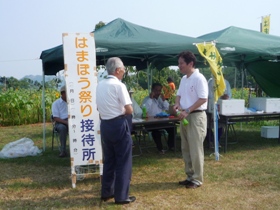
(212, 56)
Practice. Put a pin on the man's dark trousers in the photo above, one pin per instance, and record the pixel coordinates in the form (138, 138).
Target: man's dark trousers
(117, 153)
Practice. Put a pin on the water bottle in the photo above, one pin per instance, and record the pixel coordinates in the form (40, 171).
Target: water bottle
(184, 121)
(144, 111)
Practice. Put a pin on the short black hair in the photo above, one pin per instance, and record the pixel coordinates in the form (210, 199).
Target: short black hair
(156, 84)
(169, 79)
(188, 57)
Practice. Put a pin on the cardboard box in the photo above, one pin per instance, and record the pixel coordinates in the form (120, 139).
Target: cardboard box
(270, 131)
(265, 104)
(231, 106)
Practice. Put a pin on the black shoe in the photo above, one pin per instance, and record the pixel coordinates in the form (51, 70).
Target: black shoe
(127, 201)
(107, 198)
(185, 182)
(63, 154)
(192, 185)
(171, 149)
(161, 152)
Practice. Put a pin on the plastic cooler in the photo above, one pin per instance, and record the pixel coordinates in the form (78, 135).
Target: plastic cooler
(265, 104)
(270, 131)
(231, 106)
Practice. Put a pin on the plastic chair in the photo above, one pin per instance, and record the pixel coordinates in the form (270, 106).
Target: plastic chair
(55, 134)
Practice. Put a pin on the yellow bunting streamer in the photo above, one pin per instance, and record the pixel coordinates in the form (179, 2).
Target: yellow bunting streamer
(266, 24)
(212, 55)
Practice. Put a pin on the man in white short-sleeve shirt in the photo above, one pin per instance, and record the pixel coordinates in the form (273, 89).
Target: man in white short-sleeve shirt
(191, 99)
(115, 109)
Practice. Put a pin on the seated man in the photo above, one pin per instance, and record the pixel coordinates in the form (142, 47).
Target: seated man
(156, 103)
(227, 95)
(60, 116)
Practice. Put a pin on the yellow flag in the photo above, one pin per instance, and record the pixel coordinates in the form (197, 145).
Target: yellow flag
(212, 55)
(266, 24)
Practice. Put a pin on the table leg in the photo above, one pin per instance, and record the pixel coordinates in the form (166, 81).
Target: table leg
(279, 132)
(175, 137)
(137, 136)
(209, 127)
(225, 148)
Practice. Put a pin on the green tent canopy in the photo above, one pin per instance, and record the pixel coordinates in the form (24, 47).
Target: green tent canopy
(141, 46)
(135, 45)
(244, 45)
(266, 74)
(252, 50)
(52, 60)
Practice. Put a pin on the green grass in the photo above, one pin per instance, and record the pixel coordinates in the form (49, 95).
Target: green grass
(246, 177)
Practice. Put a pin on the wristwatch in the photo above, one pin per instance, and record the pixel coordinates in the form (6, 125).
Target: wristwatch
(187, 110)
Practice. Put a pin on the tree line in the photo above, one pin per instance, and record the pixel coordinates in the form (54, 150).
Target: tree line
(26, 83)
(136, 79)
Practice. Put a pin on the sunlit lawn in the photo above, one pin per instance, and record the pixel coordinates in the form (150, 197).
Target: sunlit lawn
(246, 177)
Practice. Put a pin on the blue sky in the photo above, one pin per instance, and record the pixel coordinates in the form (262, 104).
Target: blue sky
(30, 26)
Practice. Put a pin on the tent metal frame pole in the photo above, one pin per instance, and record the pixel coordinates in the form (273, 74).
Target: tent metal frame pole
(242, 75)
(235, 75)
(215, 122)
(44, 110)
(149, 75)
(242, 82)
(151, 79)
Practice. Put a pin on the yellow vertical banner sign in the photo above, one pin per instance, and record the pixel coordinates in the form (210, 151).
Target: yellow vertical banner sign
(266, 24)
(212, 56)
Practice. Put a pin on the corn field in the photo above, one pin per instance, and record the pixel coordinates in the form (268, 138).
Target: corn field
(24, 106)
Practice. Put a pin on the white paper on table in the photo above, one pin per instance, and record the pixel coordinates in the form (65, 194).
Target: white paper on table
(137, 120)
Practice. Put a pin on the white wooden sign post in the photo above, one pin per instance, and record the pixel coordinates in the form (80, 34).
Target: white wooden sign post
(83, 118)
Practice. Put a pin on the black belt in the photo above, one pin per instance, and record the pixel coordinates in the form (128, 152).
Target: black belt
(197, 111)
(118, 117)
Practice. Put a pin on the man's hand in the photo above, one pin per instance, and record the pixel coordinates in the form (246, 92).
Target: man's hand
(176, 107)
(225, 96)
(162, 97)
(183, 114)
(62, 121)
(152, 95)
